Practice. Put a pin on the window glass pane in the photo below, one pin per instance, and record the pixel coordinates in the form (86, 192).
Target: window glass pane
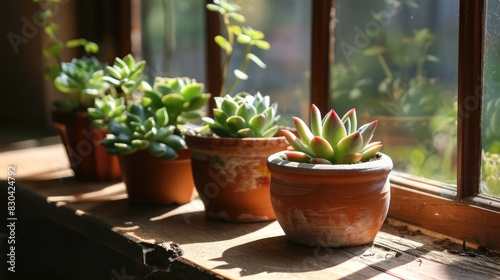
(491, 103)
(396, 61)
(173, 40)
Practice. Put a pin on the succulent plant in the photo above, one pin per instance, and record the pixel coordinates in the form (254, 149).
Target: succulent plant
(245, 35)
(491, 126)
(125, 75)
(490, 174)
(331, 140)
(183, 98)
(82, 80)
(54, 47)
(152, 122)
(244, 115)
(143, 128)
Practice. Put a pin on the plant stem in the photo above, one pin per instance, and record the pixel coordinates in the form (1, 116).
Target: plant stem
(384, 66)
(243, 69)
(227, 57)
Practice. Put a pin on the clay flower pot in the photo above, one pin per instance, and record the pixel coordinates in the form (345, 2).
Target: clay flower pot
(153, 181)
(231, 176)
(330, 205)
(88, 159)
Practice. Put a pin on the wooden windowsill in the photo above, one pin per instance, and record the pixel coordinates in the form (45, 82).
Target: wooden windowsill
(181, 241)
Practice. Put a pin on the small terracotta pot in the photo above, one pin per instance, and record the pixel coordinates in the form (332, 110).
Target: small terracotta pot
(89, 160)
(153, 181)
(330, 205)
(231, 176)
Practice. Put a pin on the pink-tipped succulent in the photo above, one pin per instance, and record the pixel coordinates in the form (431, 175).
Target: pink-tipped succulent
(331, 140)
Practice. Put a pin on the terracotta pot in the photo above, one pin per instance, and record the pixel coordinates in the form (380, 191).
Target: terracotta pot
(88, 159)
(153, 181)
(231, 176)
(330, 205)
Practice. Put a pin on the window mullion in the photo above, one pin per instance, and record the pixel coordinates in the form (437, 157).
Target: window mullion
(321, 54)
(470, 64)
(213, 75)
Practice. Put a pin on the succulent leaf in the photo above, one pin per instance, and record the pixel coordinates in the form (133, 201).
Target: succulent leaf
(296, 143)
(296, 156)
(305, 134)
(316, 122)
(333, 129)
(321, 147)
(348, 145)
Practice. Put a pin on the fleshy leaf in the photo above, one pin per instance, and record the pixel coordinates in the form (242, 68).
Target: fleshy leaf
(321, 147)
(350, 144)
(333, 129)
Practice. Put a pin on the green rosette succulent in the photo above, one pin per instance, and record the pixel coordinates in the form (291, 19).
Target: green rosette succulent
(244, 115)
(331, 140)
(143, 128)
(125, 75)
(152, 122)
(183, 98)
(82, 80)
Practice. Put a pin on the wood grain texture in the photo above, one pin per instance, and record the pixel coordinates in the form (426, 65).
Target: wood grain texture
(101, 212)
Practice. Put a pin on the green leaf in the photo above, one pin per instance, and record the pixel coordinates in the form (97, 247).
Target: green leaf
(228, 106)
(305, 134)
(235, 123)
(157, 149)
(161, 117)
(350, 159)
(315, 121)
(333, 129)
(353, 121)
(350, 144)
(246, 111)
(215, 8)
(53, 48)
(243, 39)
(256, 60)
(223, 43)
(367, 131)
(174, 102)
(296, 143)
(296, 156)
(270, 132)
(240, 75)
(191, 91)
(257, 122)
(198, 102)
(91, 48)
(139, 144)
(263, 45)
(137, 70)
(321, 147)
(370, 151)
(237, 17)
(174, 141)
(115, 73)
(245, 133)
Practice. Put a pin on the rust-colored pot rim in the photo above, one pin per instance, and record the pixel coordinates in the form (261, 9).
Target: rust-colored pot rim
(382, 163)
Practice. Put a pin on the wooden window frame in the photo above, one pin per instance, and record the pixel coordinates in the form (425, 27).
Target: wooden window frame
(461, 213)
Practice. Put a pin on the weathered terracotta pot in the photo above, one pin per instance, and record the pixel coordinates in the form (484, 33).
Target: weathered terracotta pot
(154, 181)
(231, 176)
(330, 205)
(89, 160)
